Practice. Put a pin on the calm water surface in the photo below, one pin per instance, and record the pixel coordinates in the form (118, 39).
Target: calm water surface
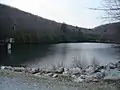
(35, 55)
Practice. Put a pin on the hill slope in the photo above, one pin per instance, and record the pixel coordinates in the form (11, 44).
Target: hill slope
(28, 28)
(109, 32)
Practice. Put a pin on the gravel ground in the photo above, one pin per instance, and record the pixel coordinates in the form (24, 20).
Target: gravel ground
(17, 81)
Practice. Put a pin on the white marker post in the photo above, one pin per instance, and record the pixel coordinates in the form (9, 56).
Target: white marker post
(9, 46)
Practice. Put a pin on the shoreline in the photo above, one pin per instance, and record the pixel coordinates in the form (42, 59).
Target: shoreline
(91, 73)
(30, 79)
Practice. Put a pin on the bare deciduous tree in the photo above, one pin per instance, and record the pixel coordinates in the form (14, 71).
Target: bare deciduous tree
(111, 8)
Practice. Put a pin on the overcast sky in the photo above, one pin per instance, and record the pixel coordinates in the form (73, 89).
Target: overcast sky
(74, 12)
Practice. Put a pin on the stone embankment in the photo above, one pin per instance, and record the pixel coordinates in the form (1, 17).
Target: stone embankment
(90, 73)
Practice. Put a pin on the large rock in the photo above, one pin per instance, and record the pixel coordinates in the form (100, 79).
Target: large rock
(112, 75)
(99, 75)
(2, 67)
(59, 70)
(83, 76)
(88, 78)
(34, 71)
(75, 71)
(7, 67)
(66, 71)
(49, 74)
(111, 66)
(118, 65)
(78, 79)
(55, 75)
(98, 69)
(19, 69)
(56, 70)
(89, 70)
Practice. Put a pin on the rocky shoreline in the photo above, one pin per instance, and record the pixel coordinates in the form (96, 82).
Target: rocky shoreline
(91, 73)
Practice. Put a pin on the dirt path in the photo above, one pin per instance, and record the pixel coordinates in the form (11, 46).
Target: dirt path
(17, 81)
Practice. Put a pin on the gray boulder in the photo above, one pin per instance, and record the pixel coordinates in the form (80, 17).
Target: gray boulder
(2, 67)
(89, 70)
(78, 80)
(112, 75)
(118, 65)
(55, 75)
(56, 70)
(34, 71)
(98, 69)
(18, 69)
(74, 71)
(49, 74)
(66, 71)
(111, 66)
(7, 67)
(89, 78)
(98, 75)
(59, 70)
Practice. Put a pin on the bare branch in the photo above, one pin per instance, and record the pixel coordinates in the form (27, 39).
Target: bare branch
(104, 9)
(112, 9)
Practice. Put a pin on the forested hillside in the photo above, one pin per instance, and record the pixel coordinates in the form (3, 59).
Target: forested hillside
(28, 28)
(25, 27)
(108, 32)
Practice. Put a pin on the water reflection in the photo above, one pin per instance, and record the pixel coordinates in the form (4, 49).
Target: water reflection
(85, 52)
(3, 55)
(35, 55)
(21, 53)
